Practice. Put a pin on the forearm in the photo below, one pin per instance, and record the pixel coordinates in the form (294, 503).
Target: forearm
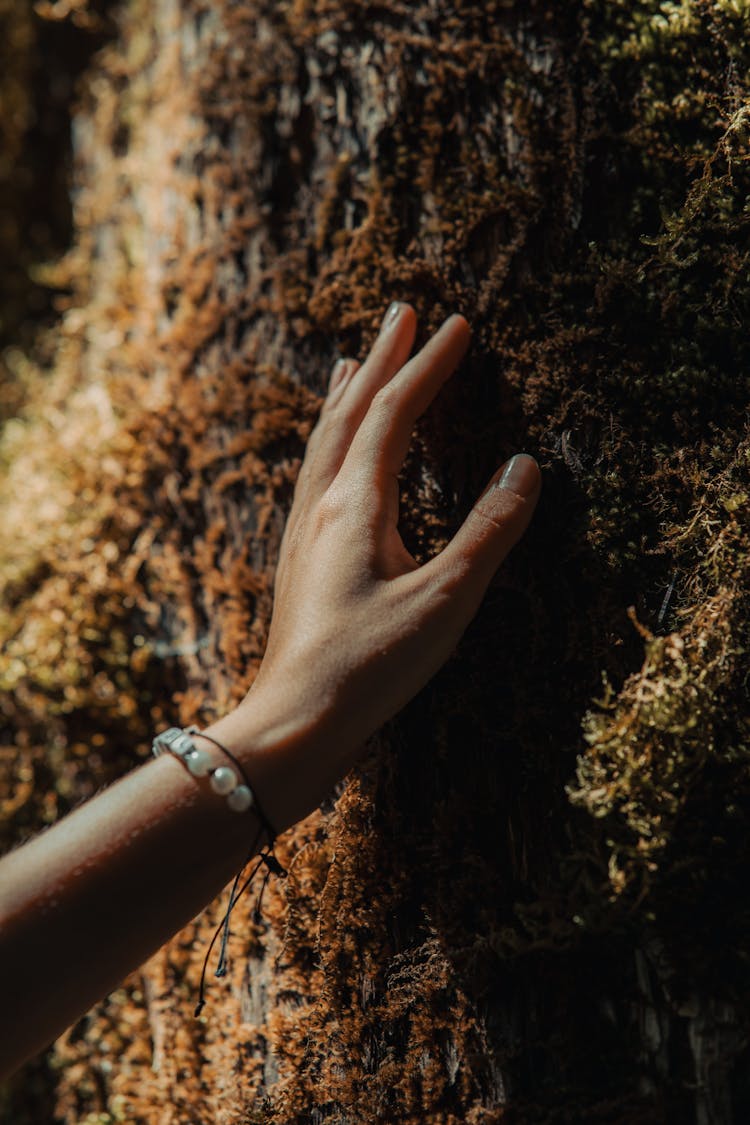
(90, 899)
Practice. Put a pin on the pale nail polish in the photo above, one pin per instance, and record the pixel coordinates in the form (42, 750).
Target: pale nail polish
(393, 310)
(520, 475)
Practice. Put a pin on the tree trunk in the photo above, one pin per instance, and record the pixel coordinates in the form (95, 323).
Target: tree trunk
(528, 904)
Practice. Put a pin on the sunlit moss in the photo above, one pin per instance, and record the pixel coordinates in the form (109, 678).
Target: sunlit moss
(576, 183)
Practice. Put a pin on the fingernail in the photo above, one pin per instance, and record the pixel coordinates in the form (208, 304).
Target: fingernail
(520, 475)
(338, 368)
(393, 310)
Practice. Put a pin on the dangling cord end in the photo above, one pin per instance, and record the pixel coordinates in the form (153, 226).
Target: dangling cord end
(273, 865)
(273, 868)
(256, 913)
(224, 924)
(221, 968)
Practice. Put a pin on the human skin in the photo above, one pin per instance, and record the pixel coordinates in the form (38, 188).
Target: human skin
(357, 629)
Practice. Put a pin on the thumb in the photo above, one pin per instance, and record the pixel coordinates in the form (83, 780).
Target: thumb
(492, 528)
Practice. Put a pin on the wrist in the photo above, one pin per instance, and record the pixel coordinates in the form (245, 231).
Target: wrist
(286, 751)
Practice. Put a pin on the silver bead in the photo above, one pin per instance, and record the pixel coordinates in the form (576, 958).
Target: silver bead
(240, 799)
(198, 762)
(223, 780)
(182, 744)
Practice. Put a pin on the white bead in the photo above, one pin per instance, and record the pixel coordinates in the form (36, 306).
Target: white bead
(223, 780)
(198, 762)
(241, 799)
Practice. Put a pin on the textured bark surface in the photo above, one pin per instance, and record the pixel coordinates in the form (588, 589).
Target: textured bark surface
(528, 905)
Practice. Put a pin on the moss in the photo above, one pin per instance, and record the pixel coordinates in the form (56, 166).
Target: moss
(528, 865)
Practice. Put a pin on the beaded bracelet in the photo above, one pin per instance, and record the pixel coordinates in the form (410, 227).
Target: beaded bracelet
(222, 779)
(240, 797)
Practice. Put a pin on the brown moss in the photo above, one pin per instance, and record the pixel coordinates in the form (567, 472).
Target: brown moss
(255, 185)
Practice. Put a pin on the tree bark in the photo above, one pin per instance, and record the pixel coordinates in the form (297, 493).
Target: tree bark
(527, 905)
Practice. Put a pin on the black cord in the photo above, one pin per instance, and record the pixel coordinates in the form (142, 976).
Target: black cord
(270, 830)
(224, 925)
(273, 867)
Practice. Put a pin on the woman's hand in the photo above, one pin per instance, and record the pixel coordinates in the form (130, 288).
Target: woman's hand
(358, 627)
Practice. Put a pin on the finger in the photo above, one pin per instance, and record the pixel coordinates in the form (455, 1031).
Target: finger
(492, 528)
(342, 370)
(387, 356)
(384, 435)
(349, 401)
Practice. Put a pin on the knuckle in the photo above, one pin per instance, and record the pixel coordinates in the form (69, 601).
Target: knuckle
(486, 520)
(498, 513)
(387, 398)
(330, 509)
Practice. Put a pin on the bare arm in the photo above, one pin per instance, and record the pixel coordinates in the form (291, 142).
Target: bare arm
(358, 628)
